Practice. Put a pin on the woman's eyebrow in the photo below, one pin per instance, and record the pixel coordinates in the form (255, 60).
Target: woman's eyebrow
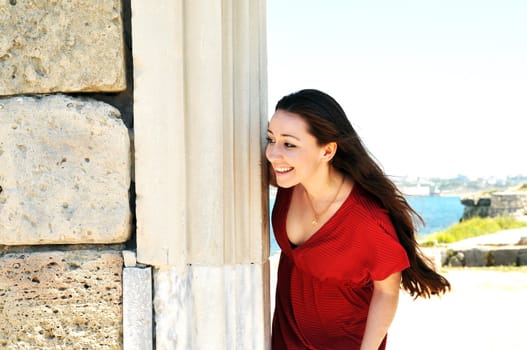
(288, 135)
(284, 135)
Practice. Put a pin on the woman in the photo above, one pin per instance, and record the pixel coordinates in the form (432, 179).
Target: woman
(345, 231)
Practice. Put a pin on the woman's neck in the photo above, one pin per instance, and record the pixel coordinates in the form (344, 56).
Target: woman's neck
(323, 186)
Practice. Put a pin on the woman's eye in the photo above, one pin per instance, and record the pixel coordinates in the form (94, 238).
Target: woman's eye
(269, 140)
(289, 145)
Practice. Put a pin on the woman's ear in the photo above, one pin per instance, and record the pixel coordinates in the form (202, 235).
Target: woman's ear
(329, 151)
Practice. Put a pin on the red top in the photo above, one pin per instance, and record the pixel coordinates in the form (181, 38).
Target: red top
(324, 286)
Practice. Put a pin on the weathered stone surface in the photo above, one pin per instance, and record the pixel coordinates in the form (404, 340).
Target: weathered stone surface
(522, 257)
(456, 260)
(474, 257)
(476, 207)
(68, 46)
(61, 300)
(505, 257)
(64, 172)
(508, 203)
(487, 256)
(513, 203)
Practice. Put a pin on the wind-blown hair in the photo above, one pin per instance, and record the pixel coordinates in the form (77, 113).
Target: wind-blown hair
(327, 122)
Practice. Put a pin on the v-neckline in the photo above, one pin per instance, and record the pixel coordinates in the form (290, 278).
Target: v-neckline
(295, 247)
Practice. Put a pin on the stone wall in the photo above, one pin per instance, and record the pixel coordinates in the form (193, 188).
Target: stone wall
(512, 203)
(77, 134)
(66, 190)
(514, 255)
(508, 203)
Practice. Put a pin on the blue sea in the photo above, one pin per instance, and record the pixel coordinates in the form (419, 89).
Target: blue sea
(437, 212)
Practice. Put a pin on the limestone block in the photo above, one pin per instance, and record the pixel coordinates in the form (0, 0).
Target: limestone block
(64, 172)
(61, 300)
(68, 46)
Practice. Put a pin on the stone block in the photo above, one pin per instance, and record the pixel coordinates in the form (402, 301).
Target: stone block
(137, 309)
(212, 307)
(129, 258)
(505, 257)
(522, 257)
(455, 261)
(61, 300)
(66, 46)
(64, 172)
(474, 257)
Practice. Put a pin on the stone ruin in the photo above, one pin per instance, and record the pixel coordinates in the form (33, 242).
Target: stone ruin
(512, 203)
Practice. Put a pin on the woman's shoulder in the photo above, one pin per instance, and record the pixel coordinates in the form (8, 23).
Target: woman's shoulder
(367, 204)
(368, 212)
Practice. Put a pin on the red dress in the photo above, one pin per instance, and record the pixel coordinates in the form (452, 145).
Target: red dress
(325, 285)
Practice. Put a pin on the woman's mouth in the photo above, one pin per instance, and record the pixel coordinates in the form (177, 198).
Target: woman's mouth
(282, 170)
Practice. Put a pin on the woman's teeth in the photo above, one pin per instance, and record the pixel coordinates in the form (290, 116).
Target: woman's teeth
(283, 170)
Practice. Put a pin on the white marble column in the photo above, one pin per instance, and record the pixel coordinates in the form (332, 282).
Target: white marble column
(199, 120)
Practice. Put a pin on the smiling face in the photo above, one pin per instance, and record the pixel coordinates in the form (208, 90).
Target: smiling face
(293, 152)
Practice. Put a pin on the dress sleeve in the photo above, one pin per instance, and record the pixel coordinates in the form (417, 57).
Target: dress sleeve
(387, 255)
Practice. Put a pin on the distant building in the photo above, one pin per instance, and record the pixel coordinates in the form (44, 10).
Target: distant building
(418, 190)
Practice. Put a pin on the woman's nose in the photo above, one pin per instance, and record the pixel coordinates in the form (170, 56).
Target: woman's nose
(272, 152)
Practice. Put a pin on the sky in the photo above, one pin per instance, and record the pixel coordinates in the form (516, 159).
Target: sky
(435, 88)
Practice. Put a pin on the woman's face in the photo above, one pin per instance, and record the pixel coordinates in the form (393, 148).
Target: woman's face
(293, 152)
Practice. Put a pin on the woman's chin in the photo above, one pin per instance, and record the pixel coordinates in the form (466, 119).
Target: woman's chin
(285, 184)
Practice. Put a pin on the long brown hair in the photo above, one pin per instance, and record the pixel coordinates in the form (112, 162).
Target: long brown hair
(328, 123)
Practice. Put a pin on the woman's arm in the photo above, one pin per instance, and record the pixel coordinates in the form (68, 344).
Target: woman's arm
(382, 310)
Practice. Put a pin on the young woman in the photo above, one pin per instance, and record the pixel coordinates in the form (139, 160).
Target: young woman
(345, 231)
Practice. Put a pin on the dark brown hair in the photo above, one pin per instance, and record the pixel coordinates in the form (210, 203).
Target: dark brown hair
(328, 123)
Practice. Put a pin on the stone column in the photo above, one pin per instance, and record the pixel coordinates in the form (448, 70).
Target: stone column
(199, 119)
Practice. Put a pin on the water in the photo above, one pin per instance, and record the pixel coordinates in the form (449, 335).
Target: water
(437, 212)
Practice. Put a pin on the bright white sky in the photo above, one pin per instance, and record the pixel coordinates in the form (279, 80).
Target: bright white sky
(433, 87)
